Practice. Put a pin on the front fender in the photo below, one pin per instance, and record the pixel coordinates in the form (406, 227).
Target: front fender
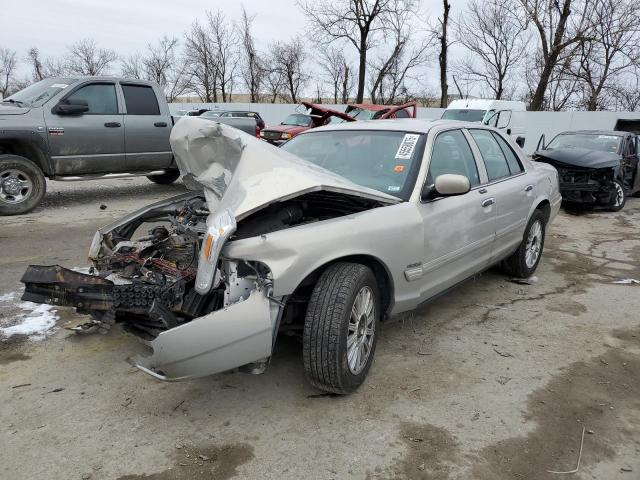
(394, 235)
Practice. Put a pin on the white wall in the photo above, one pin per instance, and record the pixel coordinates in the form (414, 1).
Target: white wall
(535, 123)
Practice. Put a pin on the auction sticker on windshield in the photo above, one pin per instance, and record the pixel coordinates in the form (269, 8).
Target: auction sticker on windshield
(408, 145)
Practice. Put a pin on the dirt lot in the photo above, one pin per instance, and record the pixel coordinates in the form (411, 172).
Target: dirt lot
(495, 380)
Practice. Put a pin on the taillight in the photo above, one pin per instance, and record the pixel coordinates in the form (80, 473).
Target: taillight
(257, 131)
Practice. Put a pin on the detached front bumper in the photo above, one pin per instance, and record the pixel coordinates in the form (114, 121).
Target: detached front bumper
(232, 337)
(240, 334)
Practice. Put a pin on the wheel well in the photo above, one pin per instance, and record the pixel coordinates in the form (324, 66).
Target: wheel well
(300, 297)
(26, 150)
(545, 207)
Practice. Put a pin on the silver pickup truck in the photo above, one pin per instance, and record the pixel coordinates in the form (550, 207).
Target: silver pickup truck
(82, 128)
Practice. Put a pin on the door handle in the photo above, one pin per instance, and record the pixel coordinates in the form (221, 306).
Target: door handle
(487, 202)
(528, 188)
(160, 124)
(112, 125)
(482, 191)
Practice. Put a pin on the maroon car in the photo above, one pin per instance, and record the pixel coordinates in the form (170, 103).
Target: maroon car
(315, 116)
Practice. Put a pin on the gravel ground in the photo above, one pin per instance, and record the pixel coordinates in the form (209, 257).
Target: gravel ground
(495, 380)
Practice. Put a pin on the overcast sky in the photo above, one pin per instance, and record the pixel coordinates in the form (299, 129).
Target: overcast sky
(127, 26)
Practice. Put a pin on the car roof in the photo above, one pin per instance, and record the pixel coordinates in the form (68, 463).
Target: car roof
(399, 124)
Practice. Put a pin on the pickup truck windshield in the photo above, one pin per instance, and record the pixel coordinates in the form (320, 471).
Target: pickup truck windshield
(464, 115)
(387, 161)
(590, 141)
(40, 93)
(297, 119)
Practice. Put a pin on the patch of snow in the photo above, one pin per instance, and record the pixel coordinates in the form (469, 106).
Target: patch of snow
(34, 319)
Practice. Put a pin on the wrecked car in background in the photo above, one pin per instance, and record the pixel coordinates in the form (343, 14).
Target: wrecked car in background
(596, 168)
(341, 228)
(315, 116)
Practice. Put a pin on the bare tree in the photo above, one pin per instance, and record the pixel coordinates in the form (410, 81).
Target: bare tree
(442, 35)
(44, 68)
(337, 72)
(559, 25)
(359, 22)
(132, 66)
(252, 68)
(225, 51)
(612, 49)
(212, 57)
(200, 57)
(160, 63)
(289, 59)
(494, 35)
(85, 58)
(392, 71)
(8, 63)
(274, 81)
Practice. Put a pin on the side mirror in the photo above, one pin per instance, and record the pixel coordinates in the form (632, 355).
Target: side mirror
(71, 106)
(446, 185)
(520, 142)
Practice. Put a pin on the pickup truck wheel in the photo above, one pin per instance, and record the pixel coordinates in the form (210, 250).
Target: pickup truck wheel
(525, 260)
(340, 328)
(619, 197)
(166, 178)
(22, 185)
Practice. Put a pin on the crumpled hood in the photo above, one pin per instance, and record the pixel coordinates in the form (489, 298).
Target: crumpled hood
(243, 174)
(580, 157)
(8, 109)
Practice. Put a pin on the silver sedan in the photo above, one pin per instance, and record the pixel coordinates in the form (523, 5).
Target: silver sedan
(343, 227)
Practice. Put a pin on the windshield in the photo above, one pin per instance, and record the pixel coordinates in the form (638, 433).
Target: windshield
(40, 93)
(464, 115)
(590, 141)
(382, 160)
(297, 119)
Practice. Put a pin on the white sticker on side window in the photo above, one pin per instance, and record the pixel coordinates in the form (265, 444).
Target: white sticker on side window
(408, 145)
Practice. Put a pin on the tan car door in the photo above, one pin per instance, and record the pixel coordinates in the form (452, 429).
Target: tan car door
(511, 187)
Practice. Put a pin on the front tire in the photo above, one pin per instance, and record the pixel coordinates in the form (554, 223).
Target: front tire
(22, 185)
(525, 260)
(619, 197)
(340, 328)
(166, 178)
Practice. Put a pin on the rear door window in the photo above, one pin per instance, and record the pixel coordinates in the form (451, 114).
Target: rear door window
(492, 155)
(101, 98)
(140, 100)
(512, 159)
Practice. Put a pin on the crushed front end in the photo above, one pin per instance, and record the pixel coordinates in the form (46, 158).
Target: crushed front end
(200, 313)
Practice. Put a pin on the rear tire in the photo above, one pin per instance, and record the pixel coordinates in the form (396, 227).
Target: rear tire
(166, 178)
(619, 199)
(340, 328)
(22, 185)
(525, 260)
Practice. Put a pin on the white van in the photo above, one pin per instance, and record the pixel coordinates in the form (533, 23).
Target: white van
(504, 114)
